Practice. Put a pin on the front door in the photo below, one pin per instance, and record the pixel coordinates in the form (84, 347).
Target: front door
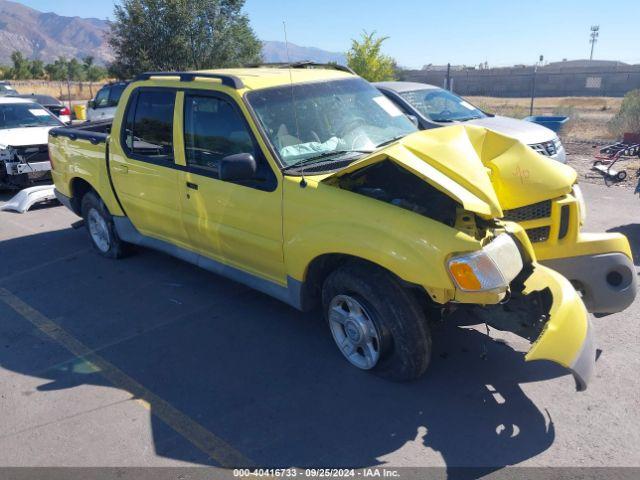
(238, 224)
(142, 165)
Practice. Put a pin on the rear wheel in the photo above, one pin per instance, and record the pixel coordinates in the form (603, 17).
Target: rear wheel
(100, 227)
(376, 323)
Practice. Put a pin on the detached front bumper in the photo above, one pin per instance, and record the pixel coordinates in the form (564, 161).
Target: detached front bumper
(607, 281)
(567, 337)
(600, 267)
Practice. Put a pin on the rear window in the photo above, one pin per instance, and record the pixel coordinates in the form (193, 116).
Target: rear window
(149, 130)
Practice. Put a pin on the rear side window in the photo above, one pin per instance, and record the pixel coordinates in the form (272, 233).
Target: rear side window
(149, 130)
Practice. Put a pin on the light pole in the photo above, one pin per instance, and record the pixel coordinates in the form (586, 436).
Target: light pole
(533, 84)
(595, 32)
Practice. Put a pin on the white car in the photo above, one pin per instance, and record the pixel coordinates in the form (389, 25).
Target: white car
(24, 136)
(103, 106)
(432, 107)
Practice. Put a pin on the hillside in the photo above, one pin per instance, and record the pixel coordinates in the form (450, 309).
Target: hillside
(48, 36)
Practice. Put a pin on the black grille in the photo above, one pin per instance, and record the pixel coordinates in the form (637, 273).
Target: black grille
(546, 148)
(33, 153)
(540, 234)
(529, 212)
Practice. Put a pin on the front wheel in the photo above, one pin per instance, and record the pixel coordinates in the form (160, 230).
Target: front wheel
(376, 323)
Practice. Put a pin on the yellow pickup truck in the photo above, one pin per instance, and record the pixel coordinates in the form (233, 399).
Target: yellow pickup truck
(307, 184)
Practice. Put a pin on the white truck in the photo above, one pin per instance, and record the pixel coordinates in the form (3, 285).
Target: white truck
(24, 133)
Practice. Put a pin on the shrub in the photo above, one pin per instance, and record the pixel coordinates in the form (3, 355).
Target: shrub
(628, 118)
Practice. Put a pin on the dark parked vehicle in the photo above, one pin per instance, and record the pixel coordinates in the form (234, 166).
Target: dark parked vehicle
(52, 104)
(6, 90)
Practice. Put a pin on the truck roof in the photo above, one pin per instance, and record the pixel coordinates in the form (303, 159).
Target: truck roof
(255, 78)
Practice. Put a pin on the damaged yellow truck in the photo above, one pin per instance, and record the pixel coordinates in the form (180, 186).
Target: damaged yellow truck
(307, 184)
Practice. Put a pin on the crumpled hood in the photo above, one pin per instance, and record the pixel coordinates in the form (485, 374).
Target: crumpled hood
(483, 170)
(527, 132)
(18, 137)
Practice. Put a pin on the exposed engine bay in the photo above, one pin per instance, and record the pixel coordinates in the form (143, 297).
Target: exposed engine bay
(388, 182)
(23, 166)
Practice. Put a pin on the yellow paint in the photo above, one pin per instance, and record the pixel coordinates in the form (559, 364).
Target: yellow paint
(565, 331)
(275, 235)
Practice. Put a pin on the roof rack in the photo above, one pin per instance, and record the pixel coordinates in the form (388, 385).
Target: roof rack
(227, 80)
(304, 64)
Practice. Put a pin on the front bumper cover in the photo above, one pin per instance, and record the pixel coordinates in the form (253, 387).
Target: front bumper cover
(607, 281)
(567, 337)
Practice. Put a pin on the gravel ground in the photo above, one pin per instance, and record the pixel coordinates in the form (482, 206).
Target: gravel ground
(580, 155)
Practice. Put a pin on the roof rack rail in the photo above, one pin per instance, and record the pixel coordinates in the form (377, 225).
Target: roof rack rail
(227, 80)
(305, 64)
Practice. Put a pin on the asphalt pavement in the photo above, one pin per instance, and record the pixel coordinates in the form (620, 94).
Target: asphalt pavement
(149, 361)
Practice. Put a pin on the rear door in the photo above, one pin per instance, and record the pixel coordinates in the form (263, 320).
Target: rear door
(237, 223)
(143, 166)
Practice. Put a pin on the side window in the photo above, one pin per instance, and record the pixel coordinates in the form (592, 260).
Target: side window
(102, 98)
(149, 130)
(116, 93)
(213, 129)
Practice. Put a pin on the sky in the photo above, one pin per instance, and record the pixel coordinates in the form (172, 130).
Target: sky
(420, 32)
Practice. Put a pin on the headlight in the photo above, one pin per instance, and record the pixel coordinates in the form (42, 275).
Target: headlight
(557, 143)
(582, 206)
(492, 268)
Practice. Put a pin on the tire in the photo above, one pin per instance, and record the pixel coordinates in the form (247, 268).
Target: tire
(376, 300)
(100, 227)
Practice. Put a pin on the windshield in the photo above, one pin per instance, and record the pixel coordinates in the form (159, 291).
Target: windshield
(441, 105)
(314, 120)
(22, 115)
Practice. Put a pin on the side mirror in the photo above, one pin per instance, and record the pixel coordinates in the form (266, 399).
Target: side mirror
(91, 104)
(241, 166)
(413, 120)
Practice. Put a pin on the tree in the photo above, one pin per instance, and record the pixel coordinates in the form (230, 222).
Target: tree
(181, 35)
(21, 69)
(57, 70)
(75, 70)
(92, 72)
(367, 60)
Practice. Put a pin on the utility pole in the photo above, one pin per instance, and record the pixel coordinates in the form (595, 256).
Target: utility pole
(595, 32)
(449, 76)
(533, 84)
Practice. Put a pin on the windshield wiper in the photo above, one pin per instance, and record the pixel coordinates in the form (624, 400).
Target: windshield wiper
(391, 140)
(322, 156)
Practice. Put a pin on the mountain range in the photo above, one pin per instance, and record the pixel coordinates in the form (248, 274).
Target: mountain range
(47, 36)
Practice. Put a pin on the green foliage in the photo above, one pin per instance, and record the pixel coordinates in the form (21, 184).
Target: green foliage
(21, 69)
(367, 60)
(169, 35)
(93, 72)
(60, 70)
(628, 118)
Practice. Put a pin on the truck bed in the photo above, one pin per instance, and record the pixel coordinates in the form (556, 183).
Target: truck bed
(94, 132)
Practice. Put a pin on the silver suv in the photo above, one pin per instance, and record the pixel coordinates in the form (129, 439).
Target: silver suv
(432, 107)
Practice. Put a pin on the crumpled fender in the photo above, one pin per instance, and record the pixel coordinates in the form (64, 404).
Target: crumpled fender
(567, 338)
(484, 171)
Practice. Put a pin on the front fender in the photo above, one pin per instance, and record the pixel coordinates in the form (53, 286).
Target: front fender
(567, 338)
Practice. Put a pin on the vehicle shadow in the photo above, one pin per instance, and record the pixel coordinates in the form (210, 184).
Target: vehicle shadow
(632, 232)
(266, 378)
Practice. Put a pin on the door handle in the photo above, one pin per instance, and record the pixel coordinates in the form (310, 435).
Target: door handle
(120, 168)
(192, 186)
